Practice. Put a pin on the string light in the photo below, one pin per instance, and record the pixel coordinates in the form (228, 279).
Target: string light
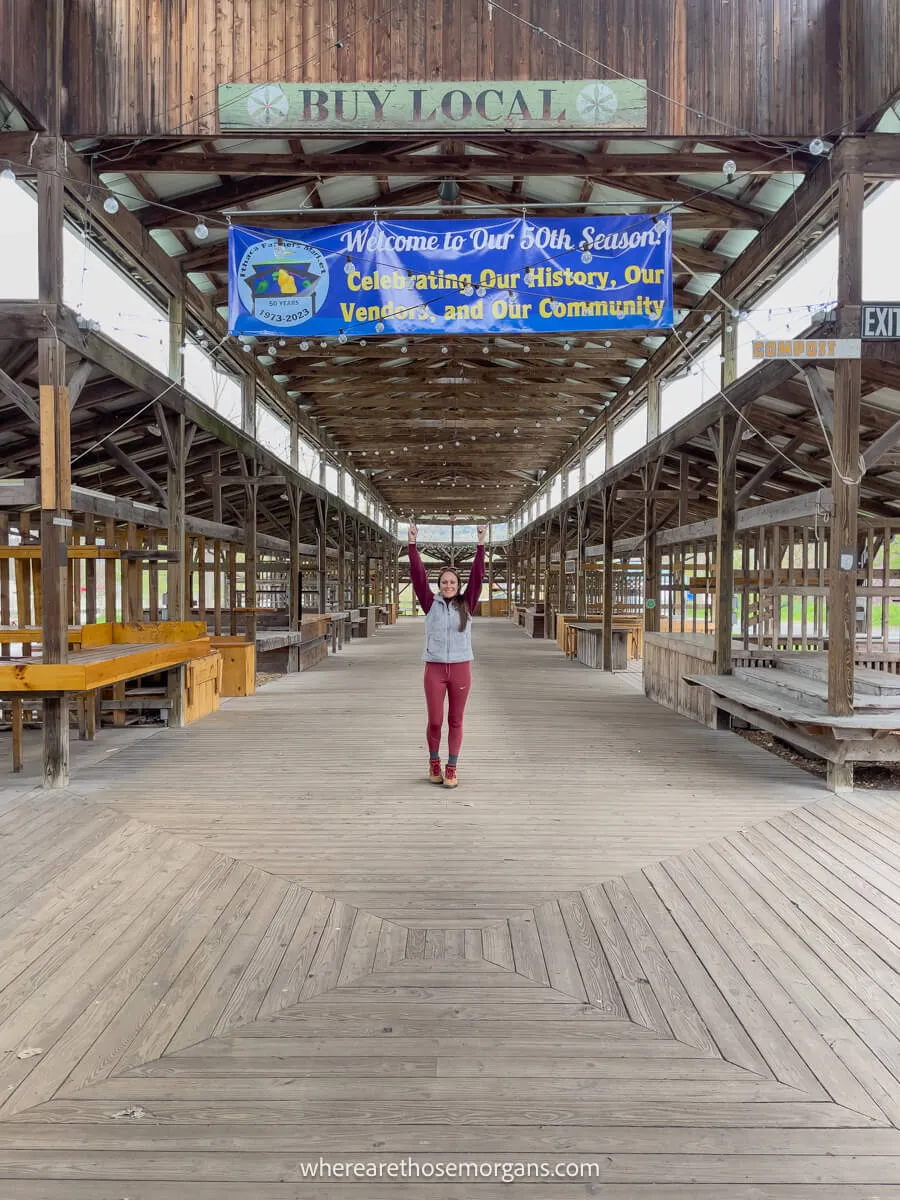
(111, 205)
(8, 175)
(201, 231)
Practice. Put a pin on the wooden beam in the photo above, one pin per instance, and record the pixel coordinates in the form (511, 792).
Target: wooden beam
(875, 452)
(821, 396)
(137, 472)
(15, 392)
(812, 201)
(765, 473)
(436, 166)
(779, 512)
(79, 378)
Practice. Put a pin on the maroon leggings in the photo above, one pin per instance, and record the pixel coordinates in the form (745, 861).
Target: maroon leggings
(453, 681)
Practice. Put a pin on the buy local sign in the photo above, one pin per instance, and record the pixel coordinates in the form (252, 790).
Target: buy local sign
(522, 105)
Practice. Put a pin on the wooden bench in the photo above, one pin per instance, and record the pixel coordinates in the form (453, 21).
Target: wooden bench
(790, 701)
(110, 654)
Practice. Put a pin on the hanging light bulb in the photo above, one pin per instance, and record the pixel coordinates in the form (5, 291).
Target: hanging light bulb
(201, 231)
(497, 434)
(468, 290)
(559, 418)
(448, 191)
(273, 350)
(707, 317)
(444, 350)
(586, 256)
(111, 205)
(729, 169)
(348, 266)
(485, 349)
(473, 437)
(481, 291)
(516, 429)
(342, 338)
(8, 175)
(817, 146)
(247, 347)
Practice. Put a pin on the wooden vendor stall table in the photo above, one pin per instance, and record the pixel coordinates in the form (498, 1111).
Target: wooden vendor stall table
(585, 643)
(109, 655)
(338, 629)
(534, 622)
(634, 626)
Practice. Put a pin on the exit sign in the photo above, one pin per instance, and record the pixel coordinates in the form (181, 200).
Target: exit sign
(881, 321)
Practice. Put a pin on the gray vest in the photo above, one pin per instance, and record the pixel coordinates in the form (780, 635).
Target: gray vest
(443, 641)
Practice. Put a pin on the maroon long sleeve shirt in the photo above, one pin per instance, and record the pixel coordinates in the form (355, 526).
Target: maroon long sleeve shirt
(422, 588)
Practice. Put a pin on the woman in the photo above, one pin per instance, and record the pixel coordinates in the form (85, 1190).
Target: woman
(448, 651)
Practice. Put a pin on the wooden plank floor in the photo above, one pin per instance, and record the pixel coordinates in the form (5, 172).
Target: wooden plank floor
(624, 942)
(320, 777)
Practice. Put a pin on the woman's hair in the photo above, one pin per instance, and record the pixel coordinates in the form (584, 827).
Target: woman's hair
(459, 600)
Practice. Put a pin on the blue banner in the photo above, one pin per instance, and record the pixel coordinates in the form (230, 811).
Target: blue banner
(503, 275)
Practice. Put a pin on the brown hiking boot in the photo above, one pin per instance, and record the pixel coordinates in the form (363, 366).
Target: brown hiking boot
(450, 779)
(435, 774)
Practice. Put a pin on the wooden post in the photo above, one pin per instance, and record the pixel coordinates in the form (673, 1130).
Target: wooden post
(652, 564)
(342, 563)
(490, 572)
(684, 481)
(55, 451)
(548, 622)
(843, 560)
(561, 589)
(580, 601)
(725, 524)
(248, 405)
(608, 538)
(294, 497)
(652, 408)
(55, 524)
(175, 541)
(322, 544)
(216, 467)
(355, 581)
(250, 556)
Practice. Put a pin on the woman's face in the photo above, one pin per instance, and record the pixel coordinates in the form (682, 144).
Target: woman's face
(448, 584)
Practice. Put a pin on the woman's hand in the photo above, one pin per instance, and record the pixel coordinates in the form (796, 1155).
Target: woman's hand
(482, 534)
(413, 532)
